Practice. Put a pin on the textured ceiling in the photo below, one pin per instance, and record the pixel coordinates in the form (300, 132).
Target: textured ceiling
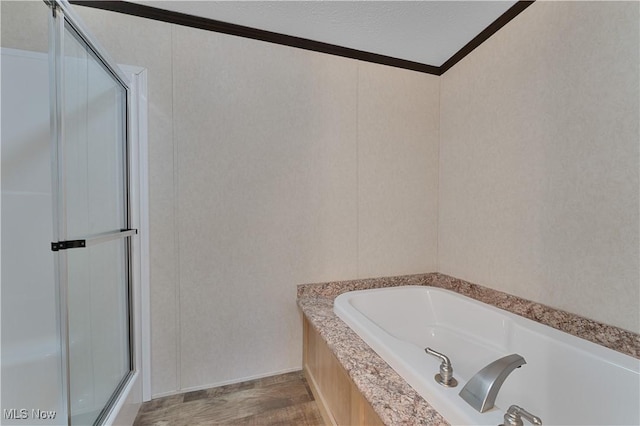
(429, 32)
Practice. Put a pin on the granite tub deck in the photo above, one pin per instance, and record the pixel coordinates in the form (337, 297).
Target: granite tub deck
(390, 396)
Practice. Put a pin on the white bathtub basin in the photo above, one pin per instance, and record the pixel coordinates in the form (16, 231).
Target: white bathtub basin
(566, 381)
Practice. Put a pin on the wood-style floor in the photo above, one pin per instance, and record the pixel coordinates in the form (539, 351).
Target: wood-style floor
(277, 400)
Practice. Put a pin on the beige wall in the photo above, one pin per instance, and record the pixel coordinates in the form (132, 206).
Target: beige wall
(270, 167)
(24, 25)
(539, 161)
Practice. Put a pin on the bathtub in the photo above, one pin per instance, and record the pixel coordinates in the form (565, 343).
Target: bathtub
(566, 381)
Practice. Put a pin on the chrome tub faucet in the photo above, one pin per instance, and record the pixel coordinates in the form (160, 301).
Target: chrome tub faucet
(482, 389)
(514, 415)
(445, 377)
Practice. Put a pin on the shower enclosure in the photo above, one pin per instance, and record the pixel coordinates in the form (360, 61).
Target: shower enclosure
(72, 256)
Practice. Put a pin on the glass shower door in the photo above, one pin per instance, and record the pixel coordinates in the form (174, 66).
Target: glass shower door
(93, 237)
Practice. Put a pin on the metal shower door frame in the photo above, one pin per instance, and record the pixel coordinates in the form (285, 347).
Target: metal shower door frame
(62, 15)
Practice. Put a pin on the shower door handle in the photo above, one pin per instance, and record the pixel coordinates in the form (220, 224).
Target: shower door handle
(95, 239)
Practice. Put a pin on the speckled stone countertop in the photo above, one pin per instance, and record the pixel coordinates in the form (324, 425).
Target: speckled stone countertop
(390, 396)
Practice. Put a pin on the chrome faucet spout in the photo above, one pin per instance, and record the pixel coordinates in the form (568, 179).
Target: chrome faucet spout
(482, 389)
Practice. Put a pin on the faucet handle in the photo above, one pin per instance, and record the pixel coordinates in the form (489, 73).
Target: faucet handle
(513, 417)
(445, 377)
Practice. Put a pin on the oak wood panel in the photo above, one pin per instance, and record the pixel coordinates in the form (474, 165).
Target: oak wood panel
(338, 398)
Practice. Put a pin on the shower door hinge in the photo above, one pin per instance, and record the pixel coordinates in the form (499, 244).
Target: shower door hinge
(64, 245)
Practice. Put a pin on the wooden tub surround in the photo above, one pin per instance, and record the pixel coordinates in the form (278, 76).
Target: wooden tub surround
(354, 386)
(338, 398)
